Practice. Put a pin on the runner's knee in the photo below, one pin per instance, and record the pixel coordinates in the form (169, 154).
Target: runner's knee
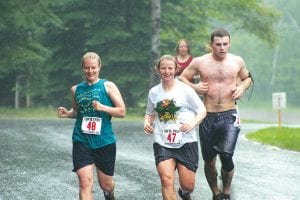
(167, 180)
(227, 163)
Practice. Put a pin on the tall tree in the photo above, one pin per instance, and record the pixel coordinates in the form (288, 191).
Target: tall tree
(46, 43)
(275, 69)
(155, 38)
(196, 19)
(118, 30)
(22, 53)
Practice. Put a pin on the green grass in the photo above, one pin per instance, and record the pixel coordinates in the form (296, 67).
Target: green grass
(252, 121)
(287, 138)
(283, 137)
(51, 113)
(28, 113)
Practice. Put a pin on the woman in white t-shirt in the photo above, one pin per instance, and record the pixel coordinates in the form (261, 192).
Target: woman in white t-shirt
(173, 111)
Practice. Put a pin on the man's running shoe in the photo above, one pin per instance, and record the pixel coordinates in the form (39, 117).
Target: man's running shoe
(217, 197)
(225, 197)
(109, 195)
(185, 196)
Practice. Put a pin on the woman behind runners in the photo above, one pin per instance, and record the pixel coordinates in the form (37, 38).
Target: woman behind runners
(94, 102)
(173, 110)
(183, 55)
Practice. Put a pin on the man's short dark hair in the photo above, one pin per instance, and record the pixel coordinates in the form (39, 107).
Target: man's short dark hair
(219, 32)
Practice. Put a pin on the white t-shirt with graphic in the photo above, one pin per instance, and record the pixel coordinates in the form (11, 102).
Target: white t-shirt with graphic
(166, 133)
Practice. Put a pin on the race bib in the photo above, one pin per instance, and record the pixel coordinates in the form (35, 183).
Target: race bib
(172, 136)
(91, 125)
(237, 122)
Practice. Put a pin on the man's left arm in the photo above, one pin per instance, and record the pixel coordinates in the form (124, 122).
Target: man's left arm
(246, 80)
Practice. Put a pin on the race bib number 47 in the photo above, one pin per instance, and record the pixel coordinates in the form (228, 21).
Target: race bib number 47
(91, 125)
(172, 136)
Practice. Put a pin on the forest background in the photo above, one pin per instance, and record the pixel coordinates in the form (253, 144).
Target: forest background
(42, 42)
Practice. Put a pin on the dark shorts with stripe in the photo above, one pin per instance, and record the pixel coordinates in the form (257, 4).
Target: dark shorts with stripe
(104, 158)
(187, 155)
(218, 133)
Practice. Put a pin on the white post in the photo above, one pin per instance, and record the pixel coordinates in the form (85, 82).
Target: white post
(279, 102)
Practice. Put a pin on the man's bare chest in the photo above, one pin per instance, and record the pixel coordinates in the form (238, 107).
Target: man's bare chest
(218, 73)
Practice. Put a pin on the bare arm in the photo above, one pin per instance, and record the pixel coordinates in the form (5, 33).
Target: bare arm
(244, 75)
(189, 73)
(72, 113)
(186, 127)
(119, 109)
(148, 128)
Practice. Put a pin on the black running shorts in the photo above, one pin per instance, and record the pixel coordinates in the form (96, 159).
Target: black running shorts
(104, 158)
(187, 155)
(218, 133)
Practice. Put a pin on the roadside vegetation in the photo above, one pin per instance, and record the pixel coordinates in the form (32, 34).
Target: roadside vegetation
(27, 113)
(51, 114)
(282, 137)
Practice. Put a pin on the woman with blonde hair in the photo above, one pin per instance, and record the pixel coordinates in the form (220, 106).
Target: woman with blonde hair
(172, 113)
(94, 102)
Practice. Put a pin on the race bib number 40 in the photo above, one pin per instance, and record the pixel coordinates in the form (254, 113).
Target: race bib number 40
(172, 136)
(91, 125)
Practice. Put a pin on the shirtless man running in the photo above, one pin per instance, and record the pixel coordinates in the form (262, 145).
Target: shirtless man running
(223, 79)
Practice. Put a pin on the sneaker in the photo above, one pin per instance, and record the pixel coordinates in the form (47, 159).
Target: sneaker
(185, 196)
(217, 197)
(225, 197)
(109, 195)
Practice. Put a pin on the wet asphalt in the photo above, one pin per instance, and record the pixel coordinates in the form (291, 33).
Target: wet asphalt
(36, 163)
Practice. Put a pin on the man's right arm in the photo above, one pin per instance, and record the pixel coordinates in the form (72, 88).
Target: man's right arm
(188, 74)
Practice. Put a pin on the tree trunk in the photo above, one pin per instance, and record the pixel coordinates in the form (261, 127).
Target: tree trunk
(28, 97)
(28, 89)
(294, 22)
(155, 40)
(17, 92)
(274, 66)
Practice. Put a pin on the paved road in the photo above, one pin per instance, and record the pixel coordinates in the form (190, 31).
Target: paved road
(35, 163)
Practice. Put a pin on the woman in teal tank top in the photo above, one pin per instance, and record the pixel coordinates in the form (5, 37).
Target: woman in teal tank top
(84, 96)
(94, 103)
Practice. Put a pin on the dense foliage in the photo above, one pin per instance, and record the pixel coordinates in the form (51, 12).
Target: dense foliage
(42, 45)
(275, 68)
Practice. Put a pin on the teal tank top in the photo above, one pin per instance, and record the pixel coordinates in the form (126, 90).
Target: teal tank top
(84, 95)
